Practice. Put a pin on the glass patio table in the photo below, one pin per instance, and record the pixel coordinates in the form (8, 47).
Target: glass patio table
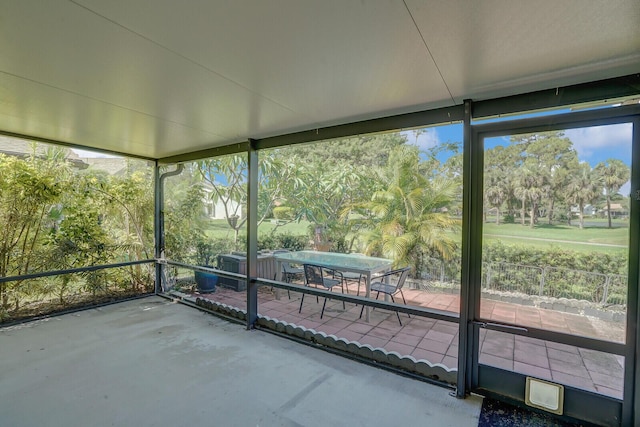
(356, 263)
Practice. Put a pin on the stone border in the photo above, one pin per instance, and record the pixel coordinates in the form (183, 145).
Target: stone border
(421, 367)
(612, 313)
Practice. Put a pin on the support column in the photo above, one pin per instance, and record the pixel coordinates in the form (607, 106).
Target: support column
(157, 226)
(252, 235)
(158, 218)
(465, 327)
(631, 403)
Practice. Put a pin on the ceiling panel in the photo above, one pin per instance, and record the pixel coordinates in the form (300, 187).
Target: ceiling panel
(79, 53)
(492, 48)
(161, 77)
(328, 60)
(38, 110)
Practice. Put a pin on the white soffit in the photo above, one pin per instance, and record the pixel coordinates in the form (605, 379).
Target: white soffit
(162, 77)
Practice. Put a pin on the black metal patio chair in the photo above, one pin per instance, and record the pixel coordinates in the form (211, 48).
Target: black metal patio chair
(350, 276)
(322, 277)
(390, 283)
(289, 272)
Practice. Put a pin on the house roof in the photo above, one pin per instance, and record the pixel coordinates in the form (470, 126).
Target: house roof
(161, 78)
(617, 207)
(24, 148)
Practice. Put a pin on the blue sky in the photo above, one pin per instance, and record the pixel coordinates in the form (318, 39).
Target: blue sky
(593, 144)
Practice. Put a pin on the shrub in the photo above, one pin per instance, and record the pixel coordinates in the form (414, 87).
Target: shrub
(282, 241)
(207, 249)
(283, 212)
(293, 243)
(594, 262)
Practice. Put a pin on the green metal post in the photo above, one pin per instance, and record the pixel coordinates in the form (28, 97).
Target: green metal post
(464, 326)
(159, 219)
(252, 235)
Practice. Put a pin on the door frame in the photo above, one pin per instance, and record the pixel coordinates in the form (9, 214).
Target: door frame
(487, 380)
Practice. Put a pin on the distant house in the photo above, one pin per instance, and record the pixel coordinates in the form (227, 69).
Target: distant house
(23, 148)
(617, 211)
(111, 165)
(588, 210)
(215, 210)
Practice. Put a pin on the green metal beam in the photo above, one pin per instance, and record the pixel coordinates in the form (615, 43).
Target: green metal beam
(608, 89)
(235, 148)
(384, 124)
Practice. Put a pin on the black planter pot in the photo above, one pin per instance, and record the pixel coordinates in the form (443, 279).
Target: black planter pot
(205, 282)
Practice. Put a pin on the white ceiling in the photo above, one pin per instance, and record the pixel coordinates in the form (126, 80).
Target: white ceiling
(162, 77)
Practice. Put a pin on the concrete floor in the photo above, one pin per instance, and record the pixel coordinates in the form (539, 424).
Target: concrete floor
(151, 362)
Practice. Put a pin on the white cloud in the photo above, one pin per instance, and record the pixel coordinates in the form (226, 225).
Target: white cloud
(595, 139)
(428, 138)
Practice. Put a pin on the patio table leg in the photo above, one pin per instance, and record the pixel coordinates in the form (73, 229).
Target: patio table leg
(367, 285)
(278, 277)
(368, 294)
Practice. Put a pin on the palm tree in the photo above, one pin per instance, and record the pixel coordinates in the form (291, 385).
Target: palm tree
(552, 154)
(500, 179)
(584, 187)
(495, 196)
(520, 193)
(533, 185)
(614, 174)
(408, 216)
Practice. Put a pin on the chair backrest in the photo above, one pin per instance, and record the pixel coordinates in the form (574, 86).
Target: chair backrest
(313, 274)
(286, 267)
(404, 273)
(396, 277)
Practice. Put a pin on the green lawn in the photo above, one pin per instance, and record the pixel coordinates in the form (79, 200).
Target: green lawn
(295, 228)
(219, 228)
(588, 239)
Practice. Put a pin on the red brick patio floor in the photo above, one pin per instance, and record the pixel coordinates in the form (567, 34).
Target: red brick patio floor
(437, 341)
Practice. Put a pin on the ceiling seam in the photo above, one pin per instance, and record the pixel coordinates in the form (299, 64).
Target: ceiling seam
(186, 58)
(429, 51)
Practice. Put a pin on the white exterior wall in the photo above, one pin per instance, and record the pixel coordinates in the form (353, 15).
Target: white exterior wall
(216, 210)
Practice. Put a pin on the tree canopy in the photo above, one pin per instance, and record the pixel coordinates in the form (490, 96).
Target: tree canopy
(538, 172)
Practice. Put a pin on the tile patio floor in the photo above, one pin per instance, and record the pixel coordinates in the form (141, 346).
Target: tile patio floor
(437, 341)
